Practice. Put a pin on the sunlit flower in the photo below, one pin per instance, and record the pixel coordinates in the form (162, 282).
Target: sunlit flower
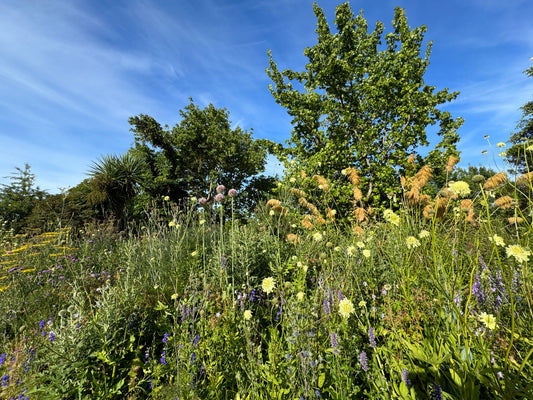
(248, 315)
(346, 308)
(424, 234)
(502, 154)
(268, 285)
(174, 296)
(201, 222)
(232, 193)
(366, 253)
(317, 237)
(518, 252)
(362, 303)
(529, 148)
(193, 200)
(412, 242)
(488, 320)
(166, 198)
(460, 188)
(387, 287)
(173, 223)
(300, 296)
(501, 144)
(497, 240)
(194, 253)
(351, 250)
(360, 244)
(391, 217)
(220, 189)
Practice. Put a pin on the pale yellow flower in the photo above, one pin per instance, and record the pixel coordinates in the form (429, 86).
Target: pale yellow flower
(362, 303)
(497, 240)
(317, 237)
(360, 244)
(412, 242)
(166, 198)
(460, 188)
(351, 250)
(346, 308)
(391, 217)
(519, 253)
(424, 234)
(247, 315)
(501, 144)
(174, 296)
(268, 285)
(300, 296)
(194, 253)
(488, 320)
(366, 253)
(202, 221)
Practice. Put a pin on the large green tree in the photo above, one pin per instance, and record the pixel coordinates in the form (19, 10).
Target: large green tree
(519, 155)
(200, 152)
(362, 102)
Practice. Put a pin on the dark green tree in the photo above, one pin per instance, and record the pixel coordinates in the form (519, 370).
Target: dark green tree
(197, 154)
(114, 182)
(362, 102)
(520, 154)
(18, 198)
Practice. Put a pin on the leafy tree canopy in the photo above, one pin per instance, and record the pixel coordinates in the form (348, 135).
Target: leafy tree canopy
(198, 153)
(520, 154)
(362, 103)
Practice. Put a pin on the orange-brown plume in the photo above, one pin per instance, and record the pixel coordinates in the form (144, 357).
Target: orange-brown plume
(494, 181)
(451, 163)
(504, 202)
(297, 192)
(360, 215)
(357, 194)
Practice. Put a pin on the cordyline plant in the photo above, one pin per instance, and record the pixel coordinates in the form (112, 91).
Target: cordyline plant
(362, 103)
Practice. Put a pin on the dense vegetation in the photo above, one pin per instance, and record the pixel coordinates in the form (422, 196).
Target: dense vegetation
(175, 271)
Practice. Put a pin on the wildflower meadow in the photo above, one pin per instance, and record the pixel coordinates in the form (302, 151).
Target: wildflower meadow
(429, 298)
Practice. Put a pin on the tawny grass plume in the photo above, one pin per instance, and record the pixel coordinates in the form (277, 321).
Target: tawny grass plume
(358, 231)
(297, 192)
(504, 202)
(292, 238)
(411, 159)
(472, 217)
(494, 181)
(515, 220)
(353, 176)
(360, 215)
(451, 163)
(322, 182)
(306, 222)
(330, 214)
(357, 194)
(273, 203)
(303, 174)
(303, 202)
(525, 179)
(467, 205)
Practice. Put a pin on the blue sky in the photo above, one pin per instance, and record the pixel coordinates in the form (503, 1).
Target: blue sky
(73, 72)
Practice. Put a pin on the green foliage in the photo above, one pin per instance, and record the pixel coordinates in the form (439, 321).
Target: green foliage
(519, 155)
(363, 103)
(18, 198)
(115, 180)
(197, 154)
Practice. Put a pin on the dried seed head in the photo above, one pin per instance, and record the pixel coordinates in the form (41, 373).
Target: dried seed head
(422, 177)
(504, 202)
(292, 238)
(357, 194)
(322, 182)
(273, 203)
(495, 181)
(358, 231)
(360, 215)
(307, 223)
(467, 205)
(297, 192)
(515, 220)
(525, 179)
(451, 163)
(353, 176)
(411, 159)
